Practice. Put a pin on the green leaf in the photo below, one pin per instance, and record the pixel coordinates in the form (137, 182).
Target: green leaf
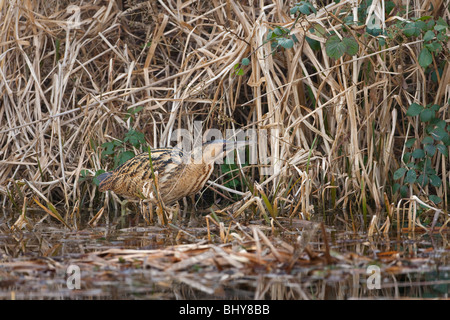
(278, 31)
(430, 149)
(110, 147)
(399, 173)
(125, 156)
(434, 46)
(321, 31)
(435, 180)
(424, 18)
(410, 142)
(304, 7)
(395, 187)
(352, 46)
(334, 47)
(411, 176)
(427, 140)
(389, 6)
(422, 180)
(430, 24)
(133, 111)
(430, 170)
(314, 44)
(426, 115)
(404, 191)
(411, 29)
(439, 28)
(442, 149)
(97, 173)
(436, 107)
(245, 62)
(286, 43)
(418, 154)
(435, 199)
(414, 110)
(441, 37)
(134, 137)
(441, 22)
(439, 134)
(425, 58)
(428, 35)
(407, 156)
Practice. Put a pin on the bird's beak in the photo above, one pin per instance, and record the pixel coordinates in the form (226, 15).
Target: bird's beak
(232, 145)
(217, 149)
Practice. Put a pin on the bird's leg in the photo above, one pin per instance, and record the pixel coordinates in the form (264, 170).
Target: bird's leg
(147, 211)
(123, 207)
(192, 217)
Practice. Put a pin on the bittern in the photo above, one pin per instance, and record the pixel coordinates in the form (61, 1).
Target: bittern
(179, 174)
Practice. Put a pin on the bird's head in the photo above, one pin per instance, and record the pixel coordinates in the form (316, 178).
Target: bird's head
(216, 149)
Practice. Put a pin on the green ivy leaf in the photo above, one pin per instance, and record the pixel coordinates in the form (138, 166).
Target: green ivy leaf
(352, 46)
(134, 137)
(441, 37)
(286, 43)
(434, 46)
(319, 30)
(399, 173)
(245, 62)
(314, 44)
(414, 110)
(428, 35)
(426, 115)
(404, 191)
(334, 47)
(439, 134)
(442, 149)
(421, 25)
(435, 180)
(389, 6)
(97, 173)
(125, 156)
(430, 149)
(418, 154)
(407, 156)
(436, 107)
(304, 7)
(427, 140)
(422, 180)
(411, 176)
(425, 58)
(410, 142)
(411, 29)
(435, 199)
(278, 31)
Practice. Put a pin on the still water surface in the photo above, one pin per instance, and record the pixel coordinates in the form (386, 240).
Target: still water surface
(34, 262)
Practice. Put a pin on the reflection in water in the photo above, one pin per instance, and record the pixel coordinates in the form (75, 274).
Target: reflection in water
(33, 263)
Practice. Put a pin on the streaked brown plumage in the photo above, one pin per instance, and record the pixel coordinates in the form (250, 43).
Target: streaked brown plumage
(178, 174)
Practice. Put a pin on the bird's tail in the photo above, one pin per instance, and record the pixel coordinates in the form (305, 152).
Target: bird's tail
(104, 181)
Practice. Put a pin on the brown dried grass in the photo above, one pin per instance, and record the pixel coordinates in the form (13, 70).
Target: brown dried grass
(66, 90)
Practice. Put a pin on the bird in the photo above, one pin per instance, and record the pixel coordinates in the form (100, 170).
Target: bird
(179, 174)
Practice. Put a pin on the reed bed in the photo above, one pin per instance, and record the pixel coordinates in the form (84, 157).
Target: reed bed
(74, 74)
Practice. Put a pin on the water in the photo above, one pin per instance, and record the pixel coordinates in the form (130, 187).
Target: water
(122, 260)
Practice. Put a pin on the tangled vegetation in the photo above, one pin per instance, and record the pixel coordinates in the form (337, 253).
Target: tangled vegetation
(354, 100)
